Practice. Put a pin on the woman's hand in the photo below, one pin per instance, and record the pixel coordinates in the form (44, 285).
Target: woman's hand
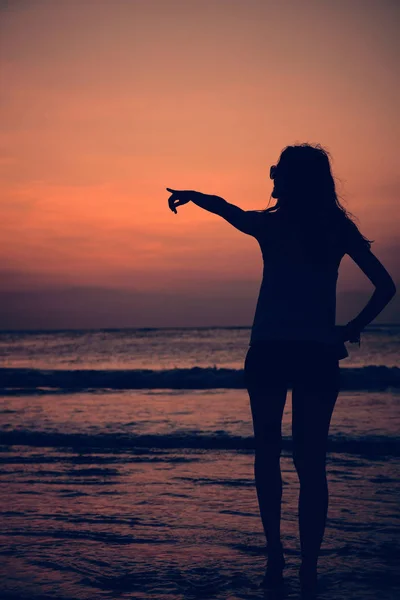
(348, 333)
(178, 198)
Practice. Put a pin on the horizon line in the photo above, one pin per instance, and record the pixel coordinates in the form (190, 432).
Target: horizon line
(128, 328)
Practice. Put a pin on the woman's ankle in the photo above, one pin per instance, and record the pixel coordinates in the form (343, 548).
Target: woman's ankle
(308, 581)
(308, 572)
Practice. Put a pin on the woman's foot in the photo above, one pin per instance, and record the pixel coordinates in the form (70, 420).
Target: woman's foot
(273, 577)
(308, 581)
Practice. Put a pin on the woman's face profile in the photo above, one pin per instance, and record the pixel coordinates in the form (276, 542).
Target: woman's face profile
(278, 184)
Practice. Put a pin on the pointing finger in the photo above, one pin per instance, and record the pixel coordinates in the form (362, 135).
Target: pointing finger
(171, 201)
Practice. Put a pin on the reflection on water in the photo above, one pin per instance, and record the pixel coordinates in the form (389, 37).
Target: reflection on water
(358, 416)
(161, 523)
(85, 518)
(165, 348)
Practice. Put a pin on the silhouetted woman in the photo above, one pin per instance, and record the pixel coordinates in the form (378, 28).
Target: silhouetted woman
(294, 340)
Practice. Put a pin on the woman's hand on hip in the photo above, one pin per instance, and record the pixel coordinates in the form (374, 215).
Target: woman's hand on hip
(348, 333)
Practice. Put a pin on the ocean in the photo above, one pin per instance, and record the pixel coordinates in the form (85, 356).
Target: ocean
(127, 469)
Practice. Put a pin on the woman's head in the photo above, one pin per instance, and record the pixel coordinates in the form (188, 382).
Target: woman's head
(303, 179)
(305, 191)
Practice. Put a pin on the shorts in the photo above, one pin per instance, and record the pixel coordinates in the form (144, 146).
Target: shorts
(289, 363)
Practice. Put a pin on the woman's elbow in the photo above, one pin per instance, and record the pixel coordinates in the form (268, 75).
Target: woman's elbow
(393, 289)
(388, 289)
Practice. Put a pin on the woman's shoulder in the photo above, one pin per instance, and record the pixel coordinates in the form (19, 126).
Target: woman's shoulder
(268, 221)
(268, 217)
(351, 235)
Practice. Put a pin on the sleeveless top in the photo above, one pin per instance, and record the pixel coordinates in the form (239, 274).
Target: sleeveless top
(297, 297)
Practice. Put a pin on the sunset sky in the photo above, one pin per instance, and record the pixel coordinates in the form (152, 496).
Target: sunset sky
(105, 103)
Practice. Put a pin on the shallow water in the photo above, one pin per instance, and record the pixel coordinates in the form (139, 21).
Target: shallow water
(181, 348)
(155, 524)
(150, 495)
(204, 358)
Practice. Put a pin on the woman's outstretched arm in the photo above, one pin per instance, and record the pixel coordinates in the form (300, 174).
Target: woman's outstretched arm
(214, 204)
(247, 221)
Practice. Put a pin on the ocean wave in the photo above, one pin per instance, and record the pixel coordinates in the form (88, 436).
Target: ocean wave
(368, 446)
(361, 378)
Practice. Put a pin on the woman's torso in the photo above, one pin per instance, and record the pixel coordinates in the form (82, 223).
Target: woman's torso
(297, 298)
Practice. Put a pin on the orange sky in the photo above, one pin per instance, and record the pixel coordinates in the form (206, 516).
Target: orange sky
(106, 103)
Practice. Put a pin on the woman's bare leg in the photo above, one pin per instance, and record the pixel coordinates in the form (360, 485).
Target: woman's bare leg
(267, 392)
(313, 401)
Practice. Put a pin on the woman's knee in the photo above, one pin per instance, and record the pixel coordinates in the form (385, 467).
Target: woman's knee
(268, 447)
(309, 464)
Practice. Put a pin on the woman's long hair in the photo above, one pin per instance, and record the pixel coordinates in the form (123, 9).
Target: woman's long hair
(306, 197)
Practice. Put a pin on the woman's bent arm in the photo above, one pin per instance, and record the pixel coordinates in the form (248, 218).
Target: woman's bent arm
(384, 284)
